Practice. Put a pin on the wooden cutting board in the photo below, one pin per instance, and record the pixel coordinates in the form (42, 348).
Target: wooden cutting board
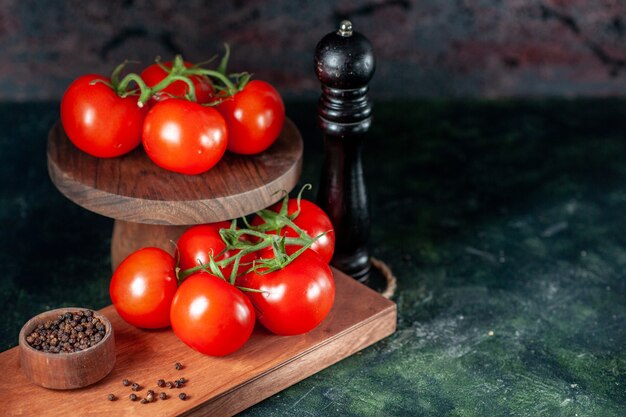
(223, 386)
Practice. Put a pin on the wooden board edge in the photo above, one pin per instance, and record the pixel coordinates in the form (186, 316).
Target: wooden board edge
(345, 344)
(141, 210)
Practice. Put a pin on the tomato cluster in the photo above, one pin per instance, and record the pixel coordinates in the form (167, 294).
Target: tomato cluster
(273, 270)
(185, 116)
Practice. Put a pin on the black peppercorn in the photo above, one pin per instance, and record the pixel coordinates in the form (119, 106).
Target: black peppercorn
(150, 397)
(182, 396)
(144, 401)
(178, 366)
(133, 397)
(161, 383)
(135, 386)
(112, 397)
(163, 396)
(65, 334)
(125, 382)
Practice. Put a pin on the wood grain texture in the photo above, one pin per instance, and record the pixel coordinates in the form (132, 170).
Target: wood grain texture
(132, 188)
(216, 386)
(129, 237)
(66, 370)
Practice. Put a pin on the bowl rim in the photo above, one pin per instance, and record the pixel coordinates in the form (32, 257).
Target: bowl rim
(24, 344)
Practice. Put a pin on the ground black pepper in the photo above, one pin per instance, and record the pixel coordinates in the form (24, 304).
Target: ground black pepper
(69, 332)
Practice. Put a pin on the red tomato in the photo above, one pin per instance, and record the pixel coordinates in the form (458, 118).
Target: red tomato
(255, 117)
(197, 242)
(154, 74)
(313, 221)
(295, 299)
(98, 121)
(184, 137)
(211, 316)
(143, 286)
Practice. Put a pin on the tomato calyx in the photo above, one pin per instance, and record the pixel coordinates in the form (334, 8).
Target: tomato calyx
(132, 84)
(123, 86)
(276, 221)
(234, 240)
(227, 84)
(243, 241)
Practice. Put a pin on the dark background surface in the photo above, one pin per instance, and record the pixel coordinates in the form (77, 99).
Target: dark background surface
(429, 48)
(503, 220)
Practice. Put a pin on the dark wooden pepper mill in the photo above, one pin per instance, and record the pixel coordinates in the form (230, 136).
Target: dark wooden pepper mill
(344, 64)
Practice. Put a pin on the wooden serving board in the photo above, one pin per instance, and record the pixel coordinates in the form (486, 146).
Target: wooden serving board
(222, 386)
(134, 189)
(152, 206)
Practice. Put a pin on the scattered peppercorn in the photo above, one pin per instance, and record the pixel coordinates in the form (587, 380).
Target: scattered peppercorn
(66, 334)
(112, 397)
(151, 396)
(178, 366)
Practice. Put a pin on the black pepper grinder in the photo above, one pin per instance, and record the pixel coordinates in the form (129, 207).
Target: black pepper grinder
(344, 64)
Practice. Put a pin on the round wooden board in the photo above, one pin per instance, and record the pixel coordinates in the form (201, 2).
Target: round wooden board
(133, 189)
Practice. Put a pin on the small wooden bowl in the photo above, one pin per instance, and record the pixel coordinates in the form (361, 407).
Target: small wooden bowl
(66, 370)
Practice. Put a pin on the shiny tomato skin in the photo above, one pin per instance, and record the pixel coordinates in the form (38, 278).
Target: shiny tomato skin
(154, 74)
(197, 242)
(295, 299)
(211, 316)
(313, 220)
(143, 286)
(184, 137)
(98, 121)
(255, 118)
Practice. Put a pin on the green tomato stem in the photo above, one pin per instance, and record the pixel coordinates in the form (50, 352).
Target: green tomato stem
(274, 222)
(224, 61)
(230, 87)
(146, 92)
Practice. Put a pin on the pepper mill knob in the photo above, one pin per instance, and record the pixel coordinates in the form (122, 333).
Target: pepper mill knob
(344, 59)
(344, 64)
